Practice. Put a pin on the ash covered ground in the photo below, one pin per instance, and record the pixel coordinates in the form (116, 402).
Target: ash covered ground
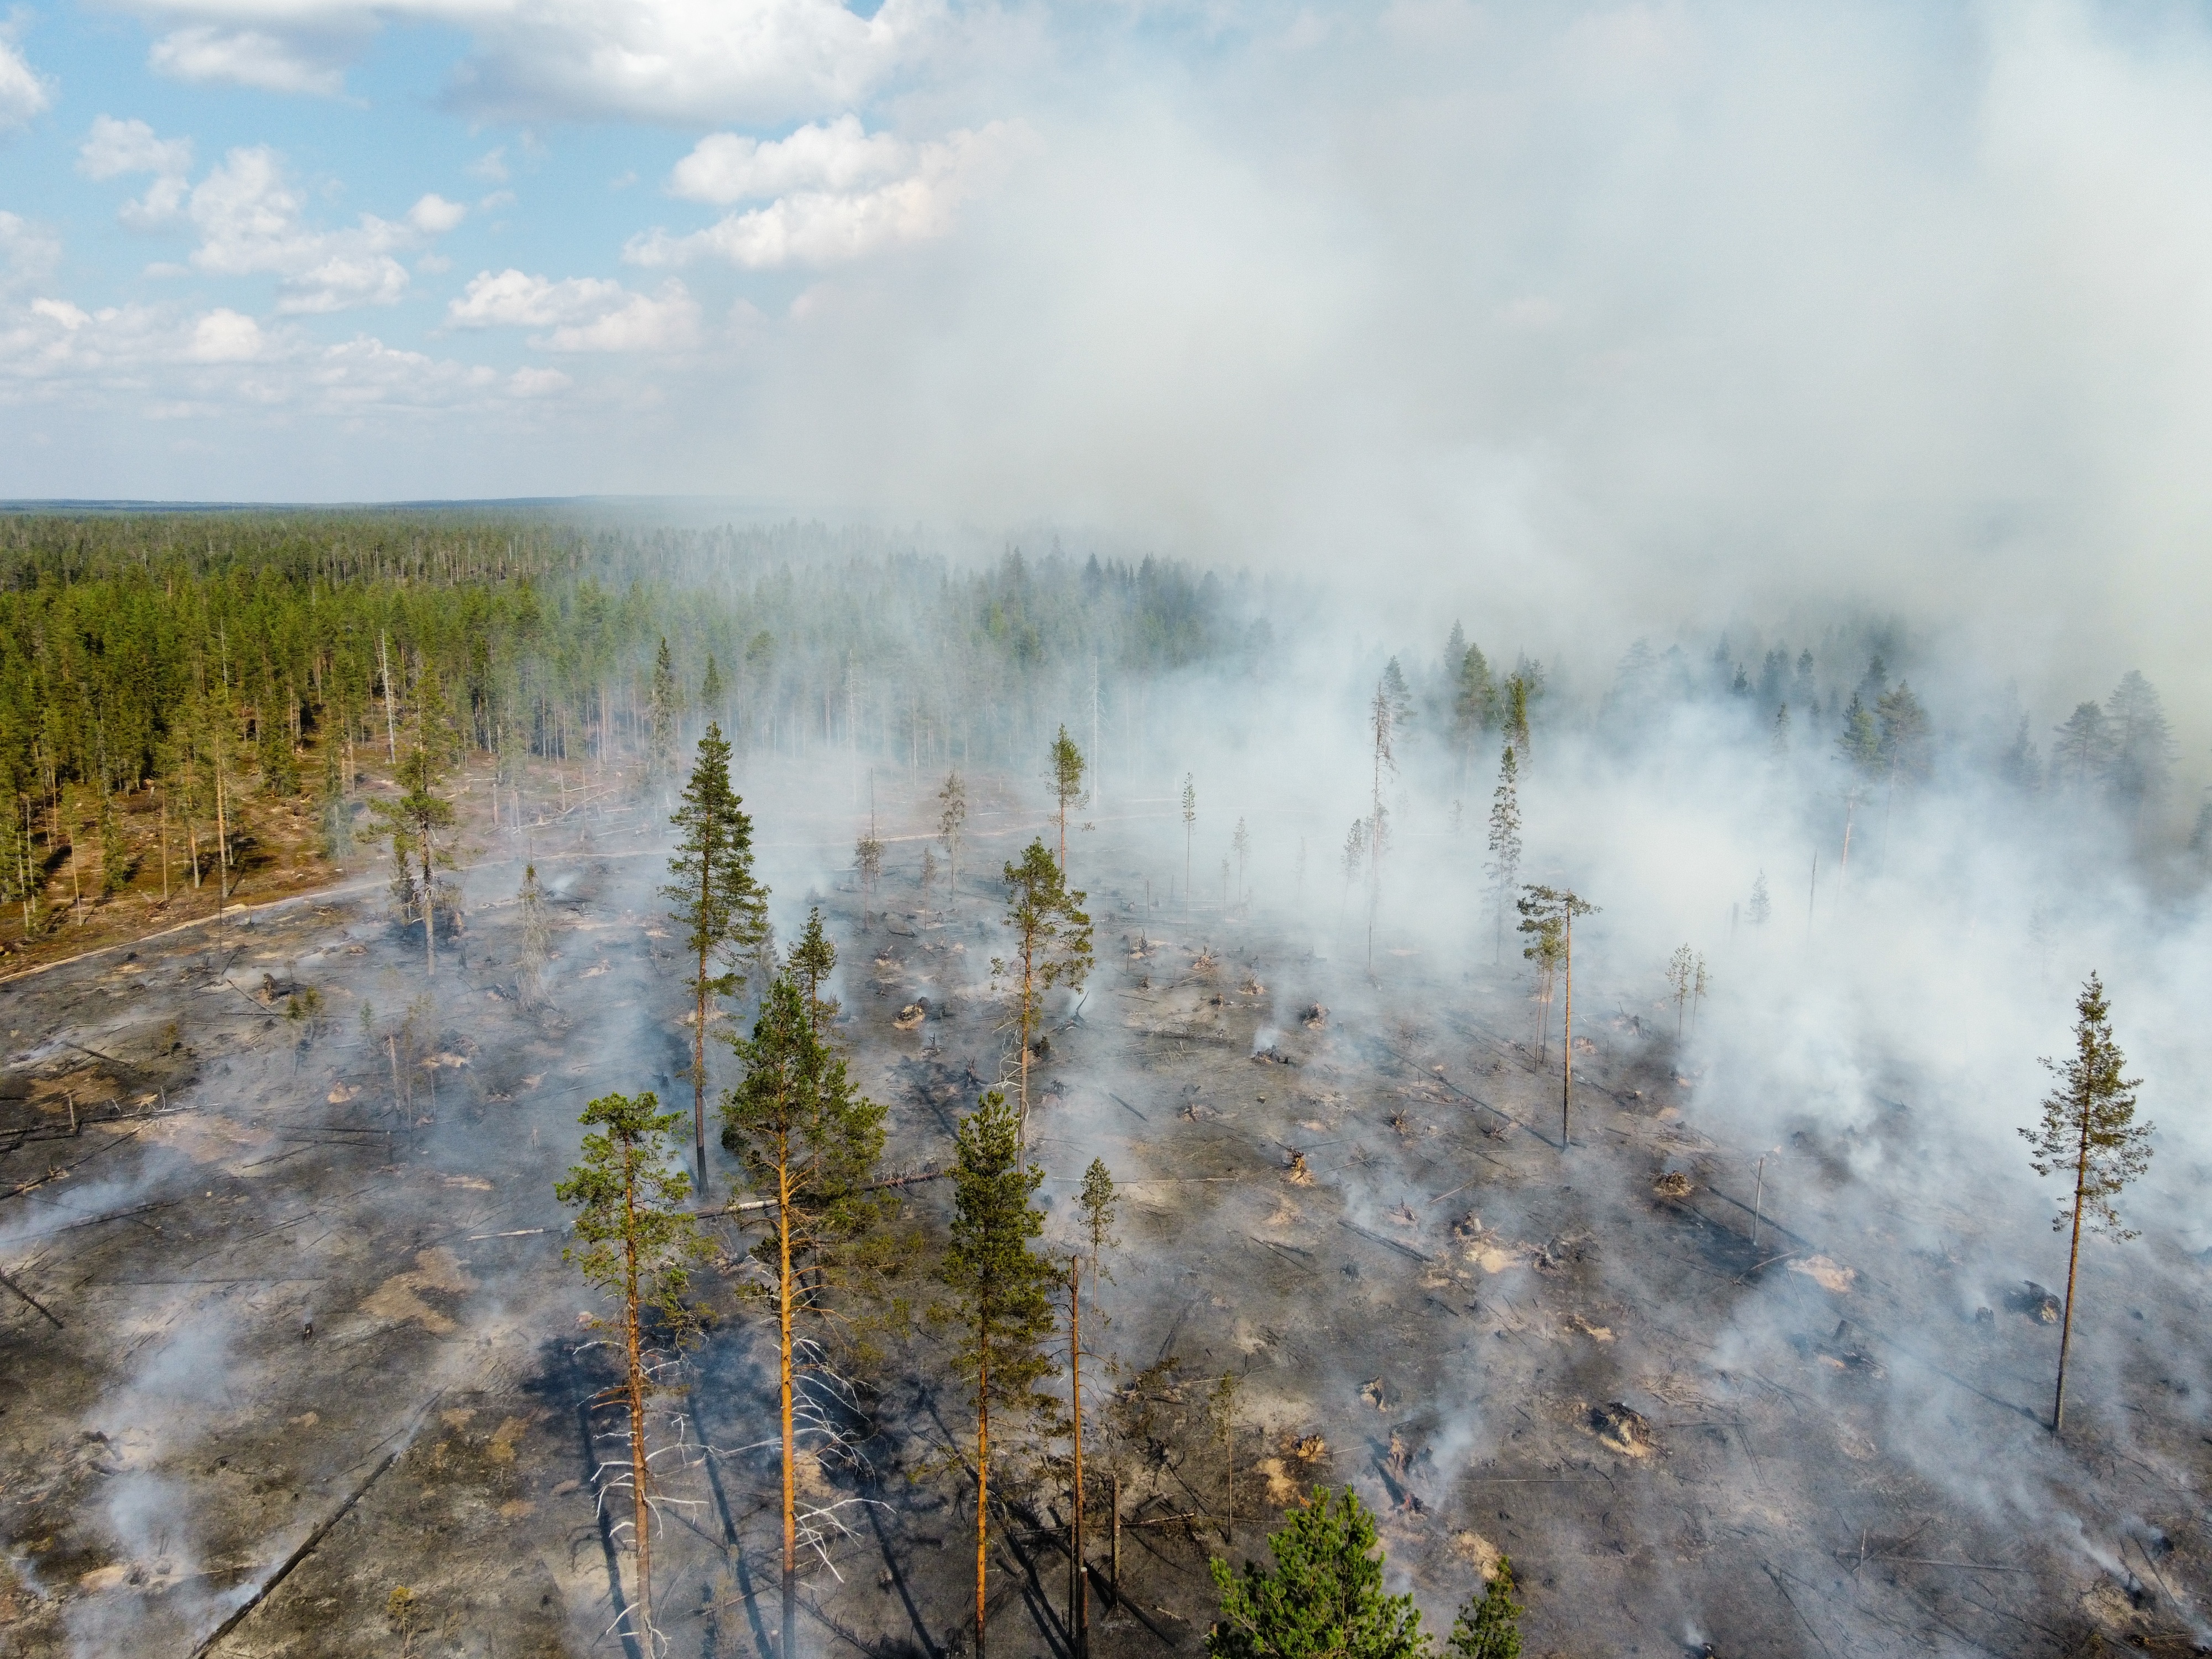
(287, 1328)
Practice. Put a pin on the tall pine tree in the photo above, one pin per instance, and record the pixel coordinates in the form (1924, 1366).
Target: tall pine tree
(634, 1240)
(721, 908)
(808, 1147)
(1002, 1295)
(2089, 1134)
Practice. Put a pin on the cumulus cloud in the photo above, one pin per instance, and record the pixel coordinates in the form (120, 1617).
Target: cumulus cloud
(724, 167)
(249, 218)
(23, 93)
(682, 61)
(823, 220)
(28, 253)
(114, 149)
(254, 58)
(433, 215)
(578, 313)
(225, 337)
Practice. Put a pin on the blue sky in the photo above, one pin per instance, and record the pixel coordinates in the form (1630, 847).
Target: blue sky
(1593, 306)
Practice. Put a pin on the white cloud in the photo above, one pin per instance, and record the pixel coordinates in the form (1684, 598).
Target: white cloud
(113, 149)
(248, 218)
(247, 57)
(225, 337)
(23, 93)
(724, 167)
(826, 225)
(491, 166)
(579, 313)
(28, 253)
(433, 215)
(684, 61)
(536, 382)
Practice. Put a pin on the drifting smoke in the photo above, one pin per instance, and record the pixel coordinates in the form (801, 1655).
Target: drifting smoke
(1854, 1058)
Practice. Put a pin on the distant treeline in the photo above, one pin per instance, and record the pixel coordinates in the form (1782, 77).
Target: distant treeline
(229, 655)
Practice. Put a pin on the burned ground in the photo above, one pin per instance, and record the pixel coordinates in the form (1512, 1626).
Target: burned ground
(285, 1307)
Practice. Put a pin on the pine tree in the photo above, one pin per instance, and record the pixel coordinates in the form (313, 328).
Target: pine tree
(1681, 974)
(1901, 743)
(712, 692)
(2089, 1131)
(2082, 749)
(1001, 1293)
(414, 821)
(808, 1147)
(1474, 699)
(536, 940)
(2141, 766)
(335, 807)
(721, 908)
(952, 825)
(1518, 696)
(1098, 1203)
(868, 864)
(1488, 1628)
(813, 959)
(927, 880)
(634, 1240)
(1382, 717)
(1067, 768)
(1240, 842)
(1859, 744)
(1052, 946)
(1504, 866)
(664, 706)
(1322, 1598)
(1189, 824)
(1544, 909)
(116, 863)
(2020, 766)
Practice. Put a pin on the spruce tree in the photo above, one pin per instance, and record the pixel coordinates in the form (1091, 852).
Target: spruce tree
(808, 1147)
(1762, 905)
(1098, 1202)
(721, 908)
(1067, 768)
(1488, 1628)
(1001, 1290)
(1504, 866)
(1322, 1599)
(1052, 946)
(634, 1240)
(2088, 1133)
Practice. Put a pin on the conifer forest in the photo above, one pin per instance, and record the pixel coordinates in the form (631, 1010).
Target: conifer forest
(587, 1081)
